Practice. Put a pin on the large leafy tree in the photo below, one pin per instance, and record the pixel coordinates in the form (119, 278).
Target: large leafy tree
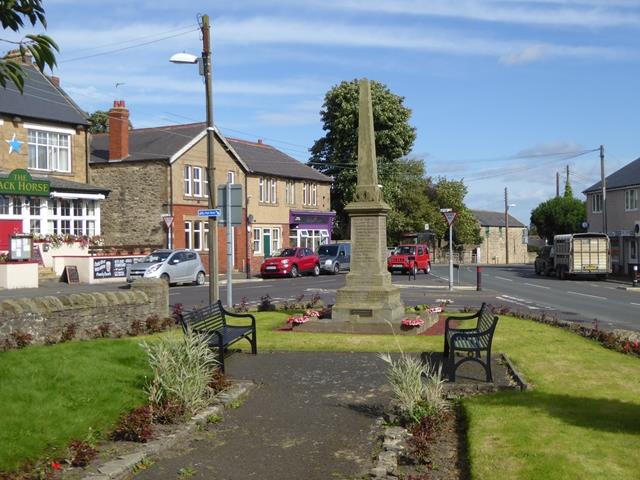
(335, 154)
(13, 15)
(450, 194)
(99, 122)
(559, 215)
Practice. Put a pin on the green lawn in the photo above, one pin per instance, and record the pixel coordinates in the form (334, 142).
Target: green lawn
(50, 395)
(582, 420)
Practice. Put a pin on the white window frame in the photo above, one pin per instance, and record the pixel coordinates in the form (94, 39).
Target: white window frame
(205, 183)
(314, 194)
(290, 192)
(596, 203)
(630, 200)
(188, 229)
(261, 189)
(187, 180)
(197, 181)
(257, 237)
(305, 193)
(53, 220)
(69, 133)
(275, 239)
(273, 190)
(197, 235)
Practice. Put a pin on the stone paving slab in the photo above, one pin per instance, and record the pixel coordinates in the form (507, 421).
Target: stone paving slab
(312, 416)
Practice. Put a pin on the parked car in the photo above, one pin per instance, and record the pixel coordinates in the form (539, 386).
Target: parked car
(543, 263)
(291, 262)
(409, 259)
(335, 257)
(173, 266)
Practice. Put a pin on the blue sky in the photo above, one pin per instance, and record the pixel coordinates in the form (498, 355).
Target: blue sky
(487, 81)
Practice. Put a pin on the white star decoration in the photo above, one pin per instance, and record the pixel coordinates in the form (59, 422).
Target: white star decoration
(14, 145)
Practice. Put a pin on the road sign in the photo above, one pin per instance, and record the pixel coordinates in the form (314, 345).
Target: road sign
(168, 220)
(449, 217)
(235, 204)
(214, 212)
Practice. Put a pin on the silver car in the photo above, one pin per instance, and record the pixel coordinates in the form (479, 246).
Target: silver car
(335, 258)
(173, 266)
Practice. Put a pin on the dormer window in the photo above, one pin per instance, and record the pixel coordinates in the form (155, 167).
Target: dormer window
(49, 148)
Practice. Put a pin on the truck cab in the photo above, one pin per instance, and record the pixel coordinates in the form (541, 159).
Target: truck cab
(544, 262)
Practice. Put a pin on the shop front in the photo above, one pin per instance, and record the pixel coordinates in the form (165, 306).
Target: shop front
(310, 229)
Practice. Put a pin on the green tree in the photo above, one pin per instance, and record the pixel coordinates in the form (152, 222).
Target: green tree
(450, 194)
(13, 14)
(559, 215)
(335, 154)
(99, 121)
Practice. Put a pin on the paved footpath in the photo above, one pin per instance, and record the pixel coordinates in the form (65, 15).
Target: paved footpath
(312, 416)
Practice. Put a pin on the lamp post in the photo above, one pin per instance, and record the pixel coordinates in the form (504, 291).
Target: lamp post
(506, 223)
(205, 65)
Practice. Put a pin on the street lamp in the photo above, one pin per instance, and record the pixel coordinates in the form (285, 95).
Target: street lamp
(205, 71)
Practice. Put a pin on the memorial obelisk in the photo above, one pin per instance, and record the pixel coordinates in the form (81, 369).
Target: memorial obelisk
(368, 300)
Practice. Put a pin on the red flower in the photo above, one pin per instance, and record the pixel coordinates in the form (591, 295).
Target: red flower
(56, 466)
(635, 345)
(627, 346)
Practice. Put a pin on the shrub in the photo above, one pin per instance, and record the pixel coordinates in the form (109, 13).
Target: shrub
(81, 453)
(69, 331)
(177, 309)
(266, 304)
(136, 328)
(21, 339)
(243, 306)
(153, 324)
(218, 381)
(405, 376)
(167, 412)
(315, 301)
(104, 329)
(135, 426)
(182, 368)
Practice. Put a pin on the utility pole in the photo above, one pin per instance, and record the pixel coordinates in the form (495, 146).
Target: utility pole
(557, 184)
(211, 170)
(604, 190)
(567, 184)
(506, 224)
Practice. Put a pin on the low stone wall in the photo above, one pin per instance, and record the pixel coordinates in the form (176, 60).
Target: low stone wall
(46, 318)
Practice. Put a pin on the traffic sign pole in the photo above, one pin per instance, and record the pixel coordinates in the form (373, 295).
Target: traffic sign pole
(229, 247)
(450, 216)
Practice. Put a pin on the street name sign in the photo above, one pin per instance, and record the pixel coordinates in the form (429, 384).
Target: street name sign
(214, 212)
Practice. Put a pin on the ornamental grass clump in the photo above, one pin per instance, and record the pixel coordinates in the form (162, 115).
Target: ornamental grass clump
(405, 375)
(182, 368)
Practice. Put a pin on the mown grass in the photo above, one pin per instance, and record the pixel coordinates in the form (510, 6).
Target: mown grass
(582, 420)
(50, 395)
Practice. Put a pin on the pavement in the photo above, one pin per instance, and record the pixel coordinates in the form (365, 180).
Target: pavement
(312, 416)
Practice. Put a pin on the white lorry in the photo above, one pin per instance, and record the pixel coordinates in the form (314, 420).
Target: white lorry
(582, 254)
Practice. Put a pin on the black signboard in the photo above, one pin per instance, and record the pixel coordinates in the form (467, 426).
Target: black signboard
(36, 255)
(111, 267)
(71, 273)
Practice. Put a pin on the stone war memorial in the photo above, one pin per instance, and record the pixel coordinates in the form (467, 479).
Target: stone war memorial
(368, 300)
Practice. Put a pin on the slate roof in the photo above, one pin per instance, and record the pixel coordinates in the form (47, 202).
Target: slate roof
(41, 100)
(61, 185)
(161, 143)
(265, 159)
(494, 219)
(627, 176)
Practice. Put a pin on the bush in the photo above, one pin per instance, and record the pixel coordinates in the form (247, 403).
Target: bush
(136, 328)
(153, 324)
(266, 304)
(81, 453)
(182, 368)
(135, 426)
(167, 412)
(69, 331)
(21, 339)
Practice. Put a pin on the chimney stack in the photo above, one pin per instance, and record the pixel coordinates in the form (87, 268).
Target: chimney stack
(118, 131)
(259, 141)
(55, 80)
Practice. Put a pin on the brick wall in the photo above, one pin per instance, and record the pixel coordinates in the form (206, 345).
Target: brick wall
(44, 317)
(132, 213)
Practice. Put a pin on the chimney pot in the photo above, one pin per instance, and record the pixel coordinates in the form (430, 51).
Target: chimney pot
(55, 80)
(259, 141)
(118, 131)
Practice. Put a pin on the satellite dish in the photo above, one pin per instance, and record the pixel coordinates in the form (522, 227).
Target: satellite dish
(585, 225)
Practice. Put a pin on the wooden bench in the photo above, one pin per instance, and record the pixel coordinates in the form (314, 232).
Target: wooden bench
(470, 340)
(212, 322)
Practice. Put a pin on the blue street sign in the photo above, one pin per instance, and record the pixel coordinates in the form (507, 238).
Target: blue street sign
(215, 212)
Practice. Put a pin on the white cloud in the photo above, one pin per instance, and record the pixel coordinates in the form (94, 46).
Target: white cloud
(302, 113)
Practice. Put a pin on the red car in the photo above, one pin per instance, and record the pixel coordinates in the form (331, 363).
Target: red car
(291, 262)
(409, 259)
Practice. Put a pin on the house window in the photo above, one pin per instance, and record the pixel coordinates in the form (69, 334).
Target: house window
(257, 240)
(261, 189)
(205, 184)
(4, 205)
(305, 193)
(34, 226)
(77, 227)
(61, 217)
(500, 231)
(205, 235)
(596, 203)
(290, 192)
(197, 182)
(314, 194)
(65, 208)
(187, 180)
(187, 234)
(77, 208)
(487, 232)
(65, 227)
(631, 199)
(49, 150)
(274, 196)
(197, 235)
(17, 206)
(275, 239)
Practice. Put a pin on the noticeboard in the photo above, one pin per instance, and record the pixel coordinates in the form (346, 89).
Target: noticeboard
(112, 267)
(71, 274)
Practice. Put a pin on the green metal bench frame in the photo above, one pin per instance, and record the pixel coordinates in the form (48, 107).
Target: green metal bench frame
(212, 322)
(470, 340)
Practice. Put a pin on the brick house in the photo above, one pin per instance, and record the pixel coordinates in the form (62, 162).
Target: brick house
(623, 217)
(493, 246)
(159, 173)
(44, 141)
